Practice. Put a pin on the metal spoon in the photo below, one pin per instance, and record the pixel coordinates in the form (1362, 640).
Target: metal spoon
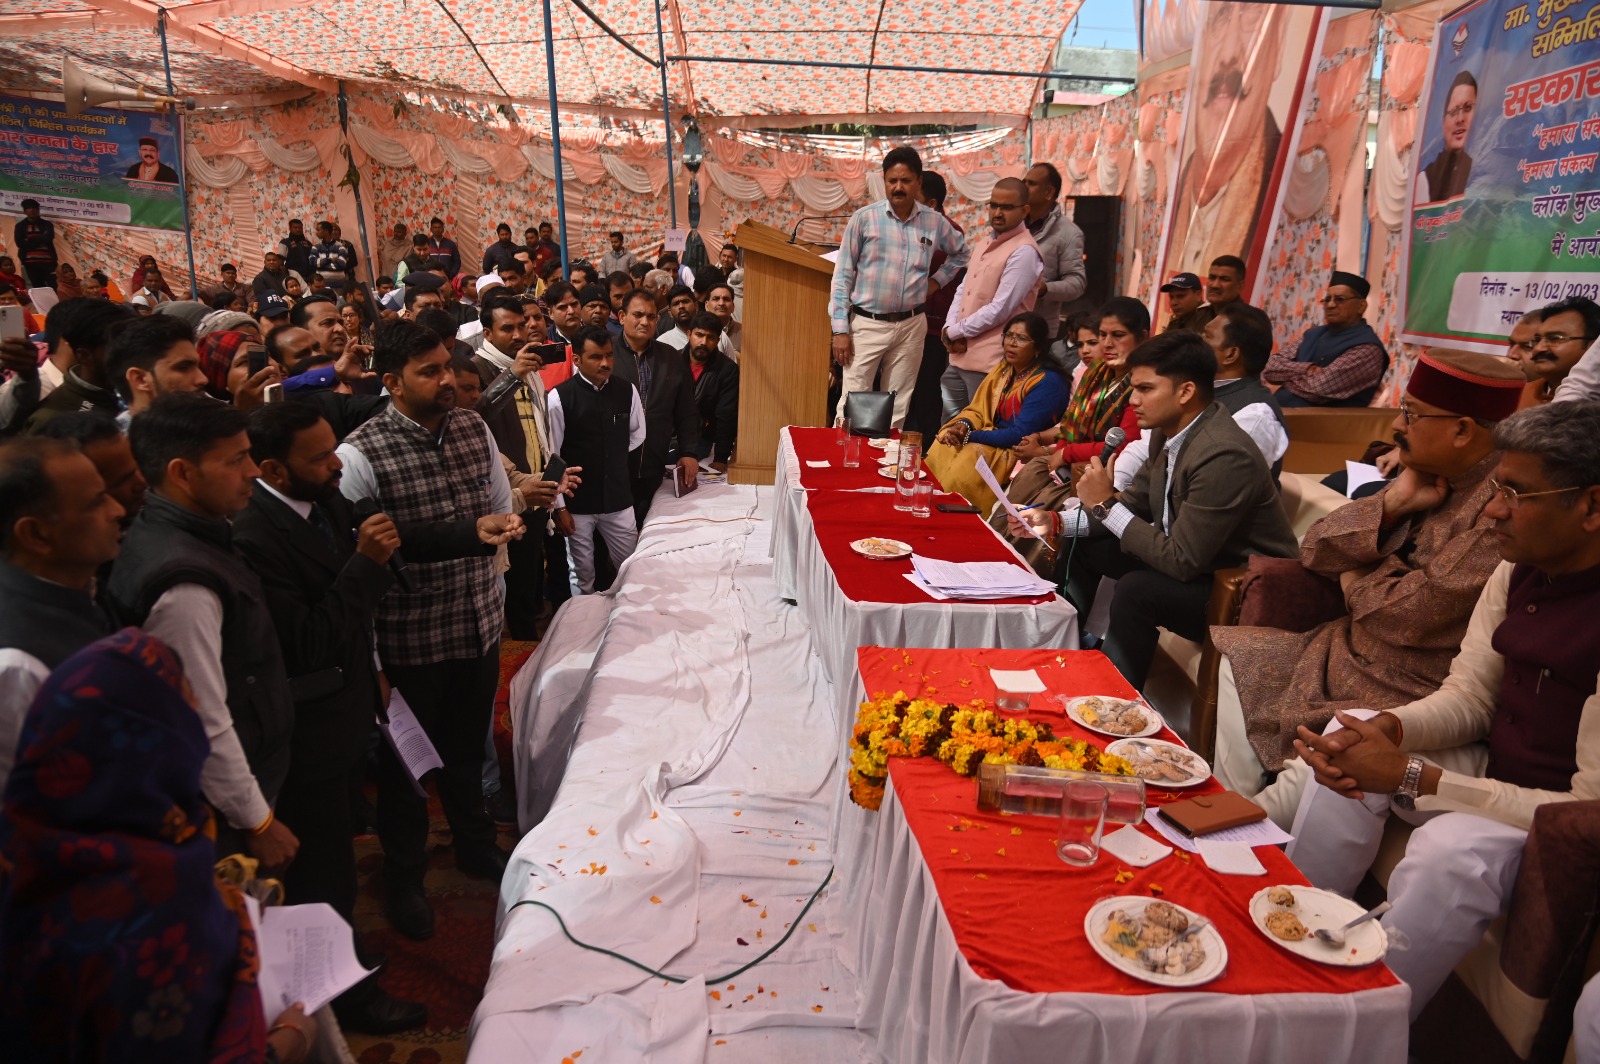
(1336, 936)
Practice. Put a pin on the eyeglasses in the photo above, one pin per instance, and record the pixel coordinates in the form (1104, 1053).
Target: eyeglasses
(1410, 416)
(1513, 498)
(1007, 206)
(1019, 338)
(1554, 339)
(1459, 110)
(1334, 301)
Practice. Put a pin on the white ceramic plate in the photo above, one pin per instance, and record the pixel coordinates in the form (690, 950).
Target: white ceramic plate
(883, 443)
(1323, 908)
(888, 460)
(1186, 759)
(881, 550)
(1074, 708)
(888, 472)
(1094, 925)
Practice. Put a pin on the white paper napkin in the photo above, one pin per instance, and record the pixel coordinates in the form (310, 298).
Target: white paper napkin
(818, 465)
(1131, 846)
(1020, 682)
(1230, 858)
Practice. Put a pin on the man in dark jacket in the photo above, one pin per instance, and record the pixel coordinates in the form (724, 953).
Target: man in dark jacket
(666, 388)
(716, 391)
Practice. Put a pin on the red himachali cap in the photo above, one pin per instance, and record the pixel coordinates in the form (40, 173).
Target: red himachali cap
(1472, 385)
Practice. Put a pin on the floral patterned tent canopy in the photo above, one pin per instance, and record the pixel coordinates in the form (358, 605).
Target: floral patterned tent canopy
(494, 50)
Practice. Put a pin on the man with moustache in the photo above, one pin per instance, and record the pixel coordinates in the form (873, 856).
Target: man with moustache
(1564, 332)
(1410, 563)
(1060, 244)
(881, 284)
(1222, 188)
(1185, 298)
(566, 312)
(422, 459)
(716, 391)
(681, 309)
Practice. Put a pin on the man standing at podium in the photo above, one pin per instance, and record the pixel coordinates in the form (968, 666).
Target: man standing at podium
(881, 283)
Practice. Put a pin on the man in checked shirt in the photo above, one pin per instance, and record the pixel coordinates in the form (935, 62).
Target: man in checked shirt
(881, 282)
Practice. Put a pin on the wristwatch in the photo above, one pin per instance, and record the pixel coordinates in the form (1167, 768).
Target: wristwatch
(1102, 510)
(1410, 785)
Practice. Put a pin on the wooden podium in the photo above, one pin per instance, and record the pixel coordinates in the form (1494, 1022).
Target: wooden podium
(783, 360)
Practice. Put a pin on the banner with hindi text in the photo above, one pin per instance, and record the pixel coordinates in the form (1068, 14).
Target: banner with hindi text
(103, 167)
(1505, 213)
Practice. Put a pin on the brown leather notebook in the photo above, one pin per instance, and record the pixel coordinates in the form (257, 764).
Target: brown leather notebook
(1211, 812)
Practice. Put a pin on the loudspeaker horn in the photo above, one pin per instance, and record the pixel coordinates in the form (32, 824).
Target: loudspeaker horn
(83, 90)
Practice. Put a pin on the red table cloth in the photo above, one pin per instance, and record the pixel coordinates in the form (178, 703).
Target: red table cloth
(822, 445)
(840, 518)
(1015, 909)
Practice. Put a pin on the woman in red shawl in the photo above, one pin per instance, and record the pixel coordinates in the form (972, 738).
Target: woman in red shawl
(117, 942)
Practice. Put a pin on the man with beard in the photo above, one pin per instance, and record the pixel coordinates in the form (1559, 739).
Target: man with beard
(323, 583)
(1410, 563)
(396, 246)
(596, 306)
(1446, 176)
(502, 252)
(150, 167)
(716, 391)
(618, 258)
(566, 312)
(1222, 187)
(681, 309)
(423, 459)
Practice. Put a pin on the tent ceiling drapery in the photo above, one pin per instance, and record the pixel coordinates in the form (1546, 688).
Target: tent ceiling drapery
(493, 49)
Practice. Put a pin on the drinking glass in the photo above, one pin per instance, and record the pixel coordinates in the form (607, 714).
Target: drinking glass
(842, 424)
(922, 498)
(908, 469)
(1083, 819)
(852, 452)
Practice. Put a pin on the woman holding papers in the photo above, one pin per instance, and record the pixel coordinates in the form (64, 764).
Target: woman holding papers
(120, 944)
(1025, 393)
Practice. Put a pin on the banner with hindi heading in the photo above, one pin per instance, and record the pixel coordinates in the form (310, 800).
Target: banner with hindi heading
(1505, 213)
(102, 167)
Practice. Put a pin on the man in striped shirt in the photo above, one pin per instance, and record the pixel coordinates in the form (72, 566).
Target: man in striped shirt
(881, 283)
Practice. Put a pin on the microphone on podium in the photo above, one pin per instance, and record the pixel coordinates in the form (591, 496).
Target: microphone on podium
(1114, 440)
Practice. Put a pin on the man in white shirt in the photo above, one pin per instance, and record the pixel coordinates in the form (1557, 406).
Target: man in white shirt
(58, 525)
(180, 579)
(681, 309)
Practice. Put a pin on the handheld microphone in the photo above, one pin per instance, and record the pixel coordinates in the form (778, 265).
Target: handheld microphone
(368, 508)
(1114, 440)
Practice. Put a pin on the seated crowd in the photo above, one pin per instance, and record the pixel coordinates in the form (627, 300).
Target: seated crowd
(204, 505)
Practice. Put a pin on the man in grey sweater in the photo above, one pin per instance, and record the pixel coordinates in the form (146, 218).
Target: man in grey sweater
(1060, 243)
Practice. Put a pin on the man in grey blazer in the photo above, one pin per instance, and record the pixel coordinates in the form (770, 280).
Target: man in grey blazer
(1204, 500)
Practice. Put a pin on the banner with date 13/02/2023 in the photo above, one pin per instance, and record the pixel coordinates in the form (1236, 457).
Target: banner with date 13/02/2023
(1505, 212)
(102, 167)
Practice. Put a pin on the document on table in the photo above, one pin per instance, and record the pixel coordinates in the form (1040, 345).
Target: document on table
(307, 954)
(411, 744)
(1261, 833)
(1358, 474)
(986, 475)
(978, 580)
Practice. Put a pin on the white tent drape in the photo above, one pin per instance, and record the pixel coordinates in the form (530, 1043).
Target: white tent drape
(975, 186)
(820, 193)
(732, 185)
(633, 178)
(463, 162)
(543, 161)
(384, 152)
(225, 172)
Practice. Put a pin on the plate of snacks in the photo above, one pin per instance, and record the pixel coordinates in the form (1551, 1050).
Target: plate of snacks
(1160, 763)
(1156, 941)
(884, 443)
(1287, 915)
(881, 549)
(1120, 718)
(889, 472)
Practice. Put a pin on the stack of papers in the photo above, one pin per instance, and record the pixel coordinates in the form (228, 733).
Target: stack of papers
(976, 581)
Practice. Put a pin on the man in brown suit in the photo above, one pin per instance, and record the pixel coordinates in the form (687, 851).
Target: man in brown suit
(1410, 562)
(1204, 500)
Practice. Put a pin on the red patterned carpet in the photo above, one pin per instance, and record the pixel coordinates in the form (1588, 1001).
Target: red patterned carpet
(448, 971)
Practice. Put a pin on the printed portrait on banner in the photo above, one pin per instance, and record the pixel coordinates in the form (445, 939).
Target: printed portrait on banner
(1505, 201)
(1246, 80)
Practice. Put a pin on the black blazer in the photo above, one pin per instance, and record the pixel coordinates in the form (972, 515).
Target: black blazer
(716, 395)
(321, 600)
(671, 419)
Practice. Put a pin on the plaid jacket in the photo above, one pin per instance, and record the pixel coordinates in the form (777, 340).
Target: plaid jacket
(456, 611)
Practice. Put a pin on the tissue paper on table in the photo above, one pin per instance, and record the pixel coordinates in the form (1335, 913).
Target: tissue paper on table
(1131, 846)
(1018, 682)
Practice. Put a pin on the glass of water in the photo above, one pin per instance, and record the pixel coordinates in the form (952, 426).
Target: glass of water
(1083, 820)
(922, 498)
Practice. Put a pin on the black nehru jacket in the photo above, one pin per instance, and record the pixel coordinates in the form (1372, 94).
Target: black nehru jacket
(596, 438)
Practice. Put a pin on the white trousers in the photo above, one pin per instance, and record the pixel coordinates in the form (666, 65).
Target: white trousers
(1235, 762)
(1452, 882)
(1586, 1023)
(621, 534)
(895, 348)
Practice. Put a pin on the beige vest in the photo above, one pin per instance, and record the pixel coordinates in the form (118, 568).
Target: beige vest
(988, 262)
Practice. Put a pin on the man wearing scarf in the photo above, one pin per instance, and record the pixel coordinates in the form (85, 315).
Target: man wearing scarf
(1338, 363)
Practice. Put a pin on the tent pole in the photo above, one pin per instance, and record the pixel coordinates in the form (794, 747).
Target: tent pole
(666, 114)
(183, 166)
(361, 214)
(555, 132)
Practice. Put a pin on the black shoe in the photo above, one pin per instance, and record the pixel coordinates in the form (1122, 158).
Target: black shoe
(410, 914)
(375, 1012)
(483, 862)
(502, 806)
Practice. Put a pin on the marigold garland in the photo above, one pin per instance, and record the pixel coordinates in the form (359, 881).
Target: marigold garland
(962, 737)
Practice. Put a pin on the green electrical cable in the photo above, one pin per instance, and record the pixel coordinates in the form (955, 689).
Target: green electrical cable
(682, 979)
